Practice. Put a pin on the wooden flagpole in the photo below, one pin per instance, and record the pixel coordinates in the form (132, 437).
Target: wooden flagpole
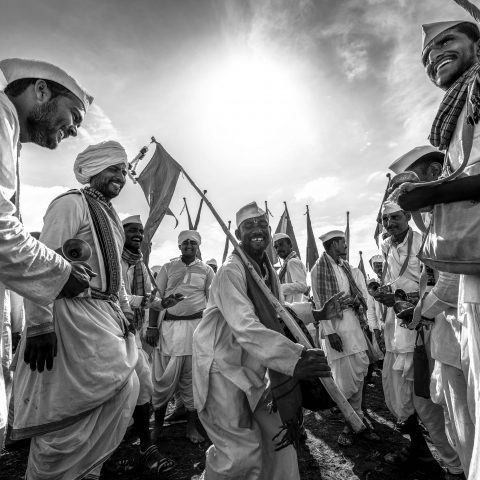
(337, 396)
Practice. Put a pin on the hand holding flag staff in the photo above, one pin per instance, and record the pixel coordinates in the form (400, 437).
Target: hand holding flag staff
(158, 185)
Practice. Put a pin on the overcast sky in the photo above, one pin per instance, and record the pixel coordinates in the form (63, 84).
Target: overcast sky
(304, 101)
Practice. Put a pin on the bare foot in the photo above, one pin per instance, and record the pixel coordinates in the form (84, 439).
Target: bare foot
(192, 433)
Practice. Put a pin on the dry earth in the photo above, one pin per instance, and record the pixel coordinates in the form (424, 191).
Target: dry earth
(320, 458)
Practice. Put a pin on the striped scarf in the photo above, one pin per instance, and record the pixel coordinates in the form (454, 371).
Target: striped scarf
(327, 284)
(138, 286)
(467, 86)
(283, 270)
(102, 213)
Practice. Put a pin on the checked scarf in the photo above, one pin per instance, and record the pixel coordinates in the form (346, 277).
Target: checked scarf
(466, 87)
(286, 391)
(138, 287)
(327, 284)
(102, 213)
(283, 270)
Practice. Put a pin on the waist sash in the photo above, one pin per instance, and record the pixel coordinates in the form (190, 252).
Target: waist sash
(170, 317)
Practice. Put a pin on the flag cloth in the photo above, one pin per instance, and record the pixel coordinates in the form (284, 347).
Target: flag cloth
(197, 220)
(347, 236)
(158, 181)
(285, 226)
(361, 266)
(312, 251)
(185, 207)
(271, 253)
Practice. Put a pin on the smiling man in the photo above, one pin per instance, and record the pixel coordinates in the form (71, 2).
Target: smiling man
(189, 279)
(40, 104)
(77, 412)
(451, 57)
(139, 292)
(232, 351)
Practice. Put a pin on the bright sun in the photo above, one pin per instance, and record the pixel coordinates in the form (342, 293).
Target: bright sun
(254, 103)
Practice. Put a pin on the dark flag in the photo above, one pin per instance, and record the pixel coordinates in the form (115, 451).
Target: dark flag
(347, 236)
(285, 226)
(312, 251)
(185, 207)
(271, 253)
(158, 181)
(361, 266)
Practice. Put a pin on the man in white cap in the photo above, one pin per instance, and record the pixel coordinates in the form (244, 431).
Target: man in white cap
(213, 264)
(449, 381)
(77, 412)
(141, 296)
(403, 270)
(189, 279)
(232, 351)
(450, 55)
(345, 343)
(40, 102)
(293, 274)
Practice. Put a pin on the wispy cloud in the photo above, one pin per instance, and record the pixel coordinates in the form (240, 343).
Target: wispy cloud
(320, 189)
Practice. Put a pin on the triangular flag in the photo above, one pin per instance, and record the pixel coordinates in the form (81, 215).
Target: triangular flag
(285, 226)
(312, 250)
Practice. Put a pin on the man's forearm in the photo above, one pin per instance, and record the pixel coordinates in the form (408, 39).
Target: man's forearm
(467, 188)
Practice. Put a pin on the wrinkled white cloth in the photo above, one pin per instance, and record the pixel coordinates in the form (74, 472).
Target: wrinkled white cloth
(294, 285)
(26, 266)
(96, 158)
(93, 369)
(242, 446)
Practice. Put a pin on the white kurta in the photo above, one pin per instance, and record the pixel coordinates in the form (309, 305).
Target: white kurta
(294, 285)
(349, 366)
(26, 266)
(94, 366)
(469, 299)
(232, 350)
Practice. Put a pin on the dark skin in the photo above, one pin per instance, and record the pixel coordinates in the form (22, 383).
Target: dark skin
(445, 59)
(283, 247)
(254, 235)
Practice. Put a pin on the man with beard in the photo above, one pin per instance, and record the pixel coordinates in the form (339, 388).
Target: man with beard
(232, 351)
(345, 343)
(403, 270)
(449, 382)
(188, 279)
(450, 55)
(293, 274)
(77, 412)
(41, 104)
(140, 296)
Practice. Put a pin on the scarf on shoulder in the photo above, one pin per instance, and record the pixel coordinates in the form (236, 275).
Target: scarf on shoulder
(102, 213)
(286, 391)
(138, 286)
(283, 270)
(466, 87)
(327, 284)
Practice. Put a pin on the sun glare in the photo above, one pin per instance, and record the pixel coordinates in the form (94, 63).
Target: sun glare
(253, 104)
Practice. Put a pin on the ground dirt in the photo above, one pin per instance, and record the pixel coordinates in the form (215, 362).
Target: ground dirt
(320, 458)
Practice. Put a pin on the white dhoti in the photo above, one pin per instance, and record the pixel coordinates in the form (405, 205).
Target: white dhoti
(397, 379)
(469, 316)
(172, 375)
(448, 388)
(81, 448)
(242, 440)
(144, 374)
(349, 374)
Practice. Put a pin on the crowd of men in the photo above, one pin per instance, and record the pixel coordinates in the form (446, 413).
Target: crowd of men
(100, 343)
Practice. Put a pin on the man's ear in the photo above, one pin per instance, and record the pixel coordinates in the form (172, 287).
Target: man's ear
(408, 215)
(180, 247)
(436, 169)
(42, 93)
(237, 234)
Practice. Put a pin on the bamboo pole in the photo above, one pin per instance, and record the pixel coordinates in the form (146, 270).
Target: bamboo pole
(337, 396)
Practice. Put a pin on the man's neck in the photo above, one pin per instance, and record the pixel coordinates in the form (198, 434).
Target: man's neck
(136, 251)
(397, 239)
(334, 256)
(187, 260)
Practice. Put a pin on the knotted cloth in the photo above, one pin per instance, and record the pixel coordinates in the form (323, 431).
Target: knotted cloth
(467, 86)
(96, 158)
(138, 287)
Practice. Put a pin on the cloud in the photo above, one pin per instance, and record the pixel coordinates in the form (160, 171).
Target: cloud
(97, 127)
(320, 189)
(34, 202)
